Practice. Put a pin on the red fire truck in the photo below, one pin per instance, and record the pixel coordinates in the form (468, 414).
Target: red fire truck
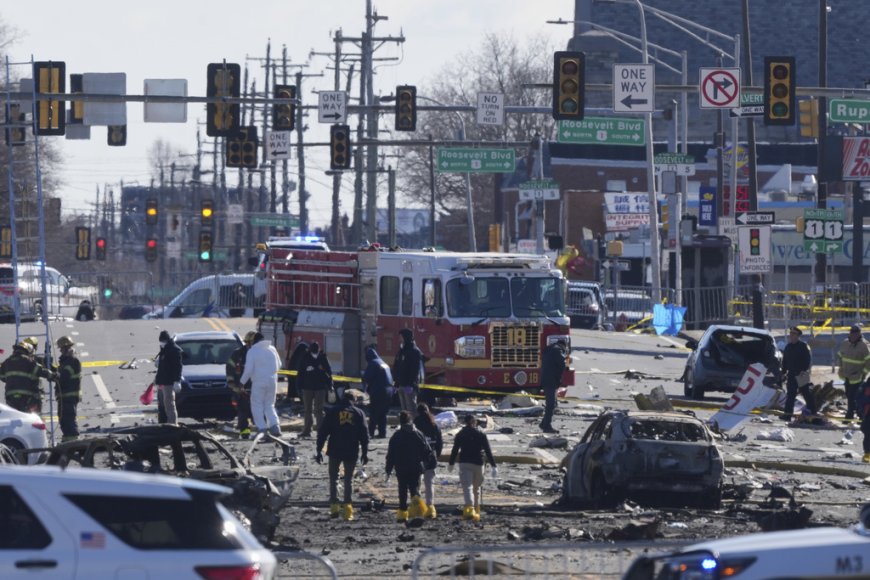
(482, 319)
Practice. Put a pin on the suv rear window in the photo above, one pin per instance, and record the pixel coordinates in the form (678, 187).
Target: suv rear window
(147, 523)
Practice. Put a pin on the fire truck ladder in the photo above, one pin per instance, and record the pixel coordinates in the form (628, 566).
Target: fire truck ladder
(26, 214)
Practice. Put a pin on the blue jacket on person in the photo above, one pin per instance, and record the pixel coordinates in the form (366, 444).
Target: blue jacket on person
(377, 377)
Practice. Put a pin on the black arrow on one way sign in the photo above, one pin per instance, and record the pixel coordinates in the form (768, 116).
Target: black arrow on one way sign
(332, 116)
(630, 100)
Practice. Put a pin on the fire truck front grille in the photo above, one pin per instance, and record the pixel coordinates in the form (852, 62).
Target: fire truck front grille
(516, 346)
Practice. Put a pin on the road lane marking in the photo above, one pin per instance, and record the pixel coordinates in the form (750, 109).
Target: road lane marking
(673, 342)
(104, 395)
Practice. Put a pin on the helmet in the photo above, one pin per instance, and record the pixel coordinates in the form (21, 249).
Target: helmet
(250, 336)
(64, 342)
(25, 346)
(32, 341)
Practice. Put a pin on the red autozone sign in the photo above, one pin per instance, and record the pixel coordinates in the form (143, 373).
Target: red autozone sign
(856, 158)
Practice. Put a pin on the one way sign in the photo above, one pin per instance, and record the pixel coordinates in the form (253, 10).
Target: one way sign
(758, 218)
(634, 88)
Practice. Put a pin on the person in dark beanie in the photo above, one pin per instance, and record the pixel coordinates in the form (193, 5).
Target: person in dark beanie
(426, 424)
(472, 446)
(378, 383)
(408, 371)
(314, 380)
(407, 453)
(345, 432)
(552, 369)
(797, 362)
(169, 367)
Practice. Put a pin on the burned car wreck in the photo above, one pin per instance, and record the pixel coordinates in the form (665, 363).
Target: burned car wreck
(671, 455)
(259, 492)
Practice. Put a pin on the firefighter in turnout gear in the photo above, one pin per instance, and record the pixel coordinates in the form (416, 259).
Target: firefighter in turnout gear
(21, 373)
(241, 393)
(68, 389)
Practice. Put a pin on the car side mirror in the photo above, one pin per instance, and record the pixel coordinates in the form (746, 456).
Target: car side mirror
(692, 344)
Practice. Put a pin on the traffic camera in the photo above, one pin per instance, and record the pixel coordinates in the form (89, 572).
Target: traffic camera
(339, 147)
(205, 213)
(150, 249)
(83, 243)
(406, 108)
(101, 248)
(224, 81)
(205, 249)
(50, 78)
(151, 211)
(568, 85)
(284, 114)
(779, 90)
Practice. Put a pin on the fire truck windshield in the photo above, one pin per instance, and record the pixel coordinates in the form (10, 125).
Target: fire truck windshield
(500, 297)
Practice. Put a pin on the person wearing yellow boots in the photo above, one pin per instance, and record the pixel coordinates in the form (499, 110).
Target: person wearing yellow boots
(425, 423)
(346, 430)
(472, 446)
(407, 453)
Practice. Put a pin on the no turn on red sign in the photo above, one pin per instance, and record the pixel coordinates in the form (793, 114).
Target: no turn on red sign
(719, 88)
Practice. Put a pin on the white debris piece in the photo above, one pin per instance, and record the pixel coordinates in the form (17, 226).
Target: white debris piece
(783, 434)
(521, 400)
(447, 420)
(587, 410)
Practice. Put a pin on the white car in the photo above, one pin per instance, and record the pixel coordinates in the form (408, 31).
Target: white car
(19, 430)
(808, 553)
(63, 297)
(87, 523)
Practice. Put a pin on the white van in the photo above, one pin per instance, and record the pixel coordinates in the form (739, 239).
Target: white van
(217, 296)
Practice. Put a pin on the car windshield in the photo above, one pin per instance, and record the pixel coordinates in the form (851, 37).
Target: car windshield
(500, 297)
(208, 351)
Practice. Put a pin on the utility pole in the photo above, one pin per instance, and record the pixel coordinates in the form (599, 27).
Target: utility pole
(822, 184)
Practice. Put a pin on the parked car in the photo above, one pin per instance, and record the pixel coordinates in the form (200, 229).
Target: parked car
(62, 295)
(625, 453)
(584, 305)
(627, 307)
(204, 391)
(719, 359)
(809, 553)
(85, 523)
(19, 431)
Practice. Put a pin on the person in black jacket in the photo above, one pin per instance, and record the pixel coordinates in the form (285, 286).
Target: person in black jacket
(169, 367)
(425, 423)
(797, 362)
(407, 453)
(68, 390)
(345, 429)
(552, 369)
(378, 383)
(472, 445)
(408, 371)
(235, 367)
(314, 380)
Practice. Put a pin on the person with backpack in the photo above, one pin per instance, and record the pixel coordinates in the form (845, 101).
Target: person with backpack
(426, 424)
(408, 453)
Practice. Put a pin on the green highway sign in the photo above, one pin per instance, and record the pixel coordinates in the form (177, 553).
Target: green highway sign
(466, 160)
(848, 111)
(278, 220)
(823, 230)
(603, 131)
(676, 162)
(539, 189)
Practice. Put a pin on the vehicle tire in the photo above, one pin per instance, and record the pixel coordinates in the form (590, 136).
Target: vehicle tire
(711, 499)
(691, 390)
(14, 446)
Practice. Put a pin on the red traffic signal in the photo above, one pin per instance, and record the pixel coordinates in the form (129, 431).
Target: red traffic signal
(150, 249)
(101, 248)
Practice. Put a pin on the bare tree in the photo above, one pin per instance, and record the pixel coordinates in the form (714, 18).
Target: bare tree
(500, 64)
(161, 155)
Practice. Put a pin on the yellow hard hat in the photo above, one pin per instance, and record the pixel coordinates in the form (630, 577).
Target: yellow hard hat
(32, 341)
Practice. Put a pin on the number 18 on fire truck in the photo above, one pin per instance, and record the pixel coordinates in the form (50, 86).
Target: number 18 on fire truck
(481, 319)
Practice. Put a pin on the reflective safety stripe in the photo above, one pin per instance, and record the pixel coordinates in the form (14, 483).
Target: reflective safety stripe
(70, 395)
(16, 392)
(856, 361)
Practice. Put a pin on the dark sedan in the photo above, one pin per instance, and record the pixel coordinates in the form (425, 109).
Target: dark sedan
(204, 392)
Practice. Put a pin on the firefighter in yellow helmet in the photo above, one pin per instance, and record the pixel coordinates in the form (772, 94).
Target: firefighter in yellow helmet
(21, 373)
(68, 389)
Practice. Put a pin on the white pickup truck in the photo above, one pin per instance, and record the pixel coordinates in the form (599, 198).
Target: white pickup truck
(63, 298)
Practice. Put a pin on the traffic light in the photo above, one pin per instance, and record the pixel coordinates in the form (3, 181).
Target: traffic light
(77, 108)
(117, 135)
(779, 89)
(50, 78)
(14, 116)
(284, 114)
(150, 250)
(242, 148)
(754, 242)
(222, 119)
(83, 243)
(205, 252)
(339, 147)
(809, 117)
(6, 242)
(205, 213)
(151, 211)
(101, 248)
(665, 216)
(406, 108)
(568, 85)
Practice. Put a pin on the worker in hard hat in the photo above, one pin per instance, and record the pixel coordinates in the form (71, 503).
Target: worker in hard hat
(21, 373)
(68, 390)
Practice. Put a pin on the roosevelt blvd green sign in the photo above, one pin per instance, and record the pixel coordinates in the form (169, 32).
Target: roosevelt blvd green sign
(278, 220)
(849, 111)
(603, 131)
(466, 160)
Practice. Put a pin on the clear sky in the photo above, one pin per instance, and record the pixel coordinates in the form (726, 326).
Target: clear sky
(165, 39)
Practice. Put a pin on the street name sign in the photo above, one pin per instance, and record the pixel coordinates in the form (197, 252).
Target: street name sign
(751, 105)
(539, 189)
(720, 88)
(467, 160)
(823, 230)
(332, 107)
(490, 108)
(676, 162)
(278, 220)
(603, 131)
(753, 243)
(758, 218)
(848, 111)
(634, 88)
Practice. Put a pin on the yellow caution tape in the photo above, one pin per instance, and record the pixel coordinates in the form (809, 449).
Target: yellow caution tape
(102, 363)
